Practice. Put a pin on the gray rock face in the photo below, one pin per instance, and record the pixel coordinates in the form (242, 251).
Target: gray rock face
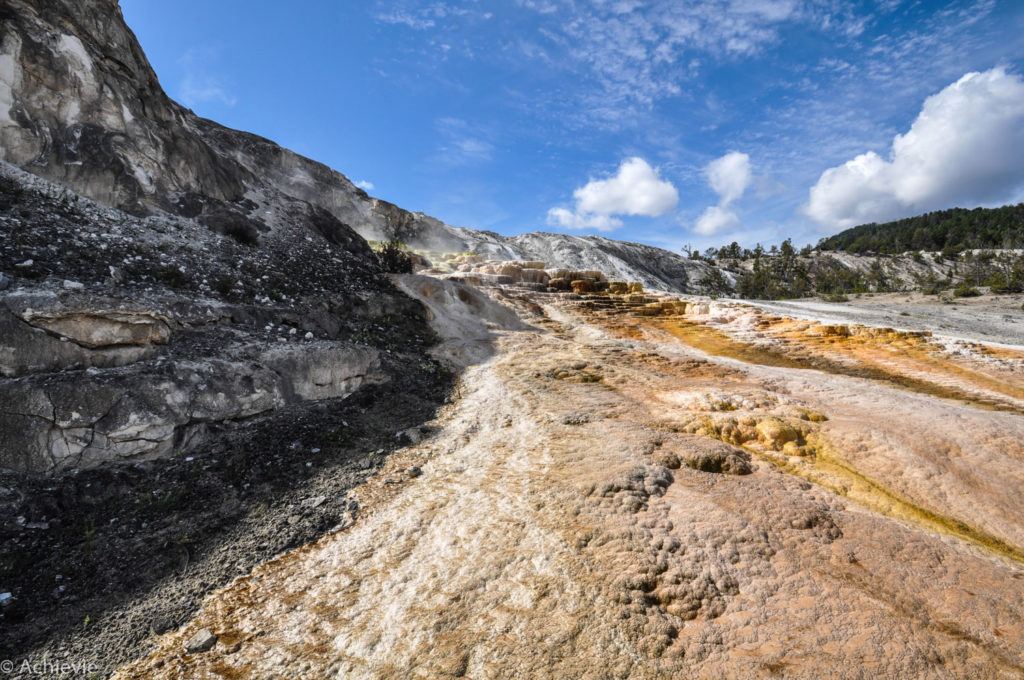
(215, 280)
(95, 328)
(172, 330)
(79, 419)
(80, 104)
(654, 267)
(325, 371)
(26, 349)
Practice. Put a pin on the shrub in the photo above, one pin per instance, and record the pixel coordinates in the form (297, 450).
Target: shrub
(1007, 282)
(394, 257)
(714, 282)
(243, 233)
(965, 290)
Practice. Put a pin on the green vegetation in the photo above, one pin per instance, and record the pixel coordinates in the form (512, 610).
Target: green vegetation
(715, 283)
(393, 256)
(965, 290)
(967, 244)
(950, 231)
(781, 274)
(1007, 277)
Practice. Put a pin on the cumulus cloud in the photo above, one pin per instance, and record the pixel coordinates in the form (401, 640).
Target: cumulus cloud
(966, 147)
(729, 176)
(716, 219)
(363, 184)
(636, 189)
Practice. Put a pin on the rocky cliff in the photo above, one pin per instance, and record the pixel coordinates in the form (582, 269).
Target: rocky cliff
(127, 338)
(171, 302)
(80, 105)
(241, 389)
(171, 274)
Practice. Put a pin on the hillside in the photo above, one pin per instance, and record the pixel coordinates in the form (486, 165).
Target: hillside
(168, 296)
(233, 445)
(84, 108)
(950, 231)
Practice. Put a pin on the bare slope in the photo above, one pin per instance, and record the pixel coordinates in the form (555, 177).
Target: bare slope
(80, 105)
(585, 510)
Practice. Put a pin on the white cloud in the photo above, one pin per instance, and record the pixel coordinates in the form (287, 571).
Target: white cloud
(363, 184)
(716, 219)
(569, 220)
(463, 143)
(417, 23)
(966, 147)
(636, 53)
(729, 176)
(421, 18)
(636, 189)
(198, 89)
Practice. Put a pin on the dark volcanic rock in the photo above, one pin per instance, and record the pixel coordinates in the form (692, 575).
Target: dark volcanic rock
(80, 104)
(194, 342)
(123, 338)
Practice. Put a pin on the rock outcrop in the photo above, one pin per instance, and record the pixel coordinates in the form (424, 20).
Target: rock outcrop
(126, 338)
(70, 420)
(214, 279)
(81, 105)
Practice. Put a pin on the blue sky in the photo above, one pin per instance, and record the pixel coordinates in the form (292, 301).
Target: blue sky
(664, 122)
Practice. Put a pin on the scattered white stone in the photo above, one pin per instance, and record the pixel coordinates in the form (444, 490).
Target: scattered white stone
(202, 641)
(73, 285)
(26, 263)
(309, 335)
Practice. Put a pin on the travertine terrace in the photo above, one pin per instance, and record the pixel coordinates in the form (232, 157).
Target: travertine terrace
(637, 487)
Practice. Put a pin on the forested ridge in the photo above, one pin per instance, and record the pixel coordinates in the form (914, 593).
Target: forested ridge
(949, 231)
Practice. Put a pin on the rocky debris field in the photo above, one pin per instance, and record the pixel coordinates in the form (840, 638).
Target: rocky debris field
(636, 487)
(225, 453)
(178, 405)
(174, 327)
